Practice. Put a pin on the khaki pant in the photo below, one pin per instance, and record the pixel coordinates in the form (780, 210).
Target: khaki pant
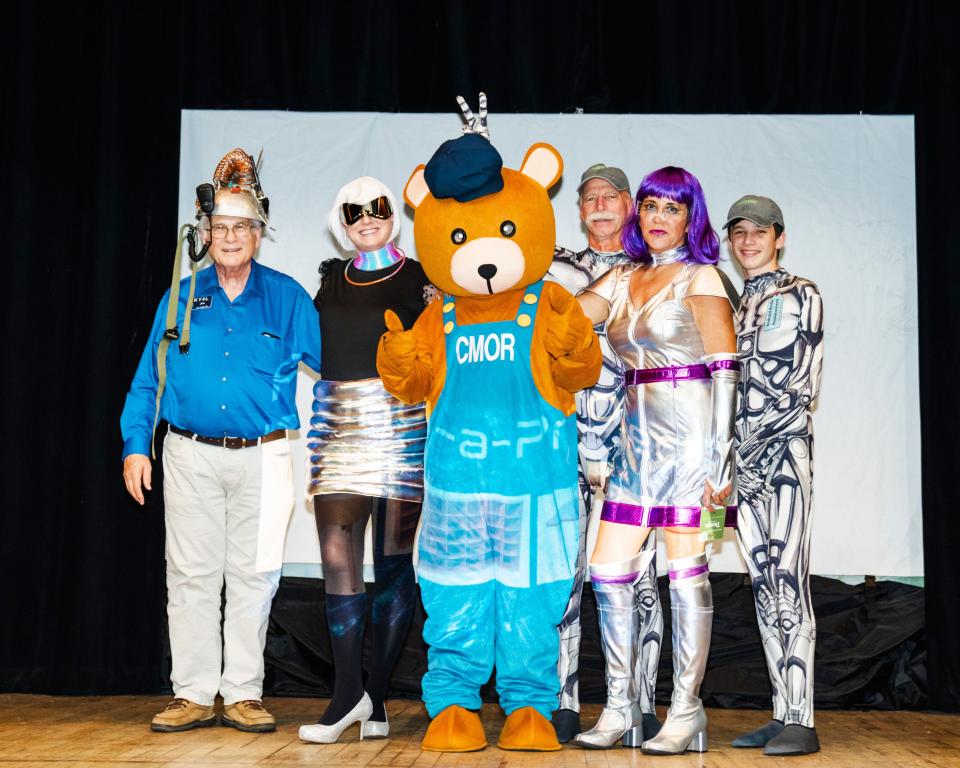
(226, 516)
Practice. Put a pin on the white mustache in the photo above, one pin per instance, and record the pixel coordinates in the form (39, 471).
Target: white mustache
(601, 216)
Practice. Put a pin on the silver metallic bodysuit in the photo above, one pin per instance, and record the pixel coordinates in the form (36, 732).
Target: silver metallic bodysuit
(599, 412)
(780, 341)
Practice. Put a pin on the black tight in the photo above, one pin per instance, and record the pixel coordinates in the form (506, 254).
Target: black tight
(341, 524)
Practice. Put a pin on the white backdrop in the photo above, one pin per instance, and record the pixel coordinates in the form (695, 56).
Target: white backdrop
(845, 184)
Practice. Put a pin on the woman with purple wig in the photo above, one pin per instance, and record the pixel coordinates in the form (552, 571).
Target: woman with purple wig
(668, 317)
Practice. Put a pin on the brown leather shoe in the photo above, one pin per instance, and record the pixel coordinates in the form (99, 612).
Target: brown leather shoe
(183, 715)
(249, 716)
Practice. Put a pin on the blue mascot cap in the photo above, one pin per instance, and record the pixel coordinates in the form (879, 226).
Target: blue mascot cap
(464, 169)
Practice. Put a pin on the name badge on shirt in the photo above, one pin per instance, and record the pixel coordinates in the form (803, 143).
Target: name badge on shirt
(774, 311)
(202, 302)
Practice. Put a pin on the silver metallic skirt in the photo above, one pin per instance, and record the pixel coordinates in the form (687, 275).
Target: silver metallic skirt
(667, 448)
(363, 440)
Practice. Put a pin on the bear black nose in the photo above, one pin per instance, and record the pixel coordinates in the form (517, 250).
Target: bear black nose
(487, 271)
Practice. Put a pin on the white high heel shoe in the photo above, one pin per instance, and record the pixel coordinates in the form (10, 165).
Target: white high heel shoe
(328, 734)
(375, 729)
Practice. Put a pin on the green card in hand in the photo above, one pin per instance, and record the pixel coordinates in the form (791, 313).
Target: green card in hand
(711, 523)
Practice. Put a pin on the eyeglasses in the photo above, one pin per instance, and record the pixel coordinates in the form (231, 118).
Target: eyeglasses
(241, 230)
(668, 209)
(378, 208)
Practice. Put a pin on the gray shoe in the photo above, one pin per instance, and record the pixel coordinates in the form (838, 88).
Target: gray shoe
(691, 608)
(793, 740)
(566, 723)
(759, 736)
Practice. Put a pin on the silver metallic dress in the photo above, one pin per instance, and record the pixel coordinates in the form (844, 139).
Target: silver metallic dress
(677, 432)
(363, 440)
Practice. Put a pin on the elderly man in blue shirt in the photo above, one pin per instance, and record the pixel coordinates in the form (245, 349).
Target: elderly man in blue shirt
(229, 399)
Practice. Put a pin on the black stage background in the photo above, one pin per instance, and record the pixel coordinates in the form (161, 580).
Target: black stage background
(92, 95)
(871, 650)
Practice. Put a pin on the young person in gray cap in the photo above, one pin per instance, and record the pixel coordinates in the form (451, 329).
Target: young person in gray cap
(605, 204)
(780, 343)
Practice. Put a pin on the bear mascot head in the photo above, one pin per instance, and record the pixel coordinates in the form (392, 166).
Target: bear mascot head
(482, 229)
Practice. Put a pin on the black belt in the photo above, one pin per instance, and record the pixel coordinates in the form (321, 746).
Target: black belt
(230, 442)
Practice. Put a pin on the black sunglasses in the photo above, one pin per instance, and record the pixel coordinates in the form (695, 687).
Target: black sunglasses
(378, 208)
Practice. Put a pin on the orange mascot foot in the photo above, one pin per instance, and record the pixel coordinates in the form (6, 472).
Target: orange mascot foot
(529, 731)
(455, 729)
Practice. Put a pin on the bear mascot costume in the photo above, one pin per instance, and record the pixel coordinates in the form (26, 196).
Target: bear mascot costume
(497, 358)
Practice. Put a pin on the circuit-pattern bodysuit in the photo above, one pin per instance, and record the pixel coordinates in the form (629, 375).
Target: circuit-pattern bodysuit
(599, 411)
(780, 343)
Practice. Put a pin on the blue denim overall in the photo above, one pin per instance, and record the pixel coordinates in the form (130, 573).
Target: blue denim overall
(499, 532)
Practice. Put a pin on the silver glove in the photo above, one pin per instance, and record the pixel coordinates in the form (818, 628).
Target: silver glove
(725, 373)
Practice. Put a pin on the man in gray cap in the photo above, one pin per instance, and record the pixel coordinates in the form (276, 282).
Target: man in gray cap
(605, 205)
(780, 342)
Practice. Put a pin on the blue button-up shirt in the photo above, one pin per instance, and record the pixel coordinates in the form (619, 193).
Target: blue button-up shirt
(239, 378)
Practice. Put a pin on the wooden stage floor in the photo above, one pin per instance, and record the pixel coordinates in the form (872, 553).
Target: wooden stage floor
(56, 732)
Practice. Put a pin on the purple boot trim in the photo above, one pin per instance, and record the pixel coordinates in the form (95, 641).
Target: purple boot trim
(622, 578)
(689, 573)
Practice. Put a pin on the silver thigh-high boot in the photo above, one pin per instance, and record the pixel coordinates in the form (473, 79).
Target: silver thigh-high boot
(613, 587)
(691, 604)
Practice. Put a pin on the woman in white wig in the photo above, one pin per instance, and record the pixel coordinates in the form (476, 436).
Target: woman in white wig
(366, 455)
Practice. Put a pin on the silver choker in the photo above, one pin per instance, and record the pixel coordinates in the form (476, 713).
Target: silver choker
(670, 257)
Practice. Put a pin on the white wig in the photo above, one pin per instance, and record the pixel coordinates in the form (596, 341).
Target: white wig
(358, 192)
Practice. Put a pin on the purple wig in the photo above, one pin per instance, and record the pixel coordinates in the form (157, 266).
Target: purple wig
(681, 186)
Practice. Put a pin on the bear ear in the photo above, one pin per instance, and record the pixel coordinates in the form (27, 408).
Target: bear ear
(543, 164)
(416, 188)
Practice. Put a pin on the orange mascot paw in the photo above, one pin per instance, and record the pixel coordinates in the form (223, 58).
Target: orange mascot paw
(528, 731)
(455, 729)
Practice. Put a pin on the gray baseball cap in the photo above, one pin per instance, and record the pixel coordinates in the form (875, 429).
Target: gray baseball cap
(762, 211)
(608, 173)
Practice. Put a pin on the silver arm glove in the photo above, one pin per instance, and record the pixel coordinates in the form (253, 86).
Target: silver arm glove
(725, 373)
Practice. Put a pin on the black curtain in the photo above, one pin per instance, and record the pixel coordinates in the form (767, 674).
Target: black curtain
(871, 650)
(92, 94)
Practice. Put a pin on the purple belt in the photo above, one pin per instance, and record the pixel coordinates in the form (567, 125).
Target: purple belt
(675, 373)
(659, 517)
